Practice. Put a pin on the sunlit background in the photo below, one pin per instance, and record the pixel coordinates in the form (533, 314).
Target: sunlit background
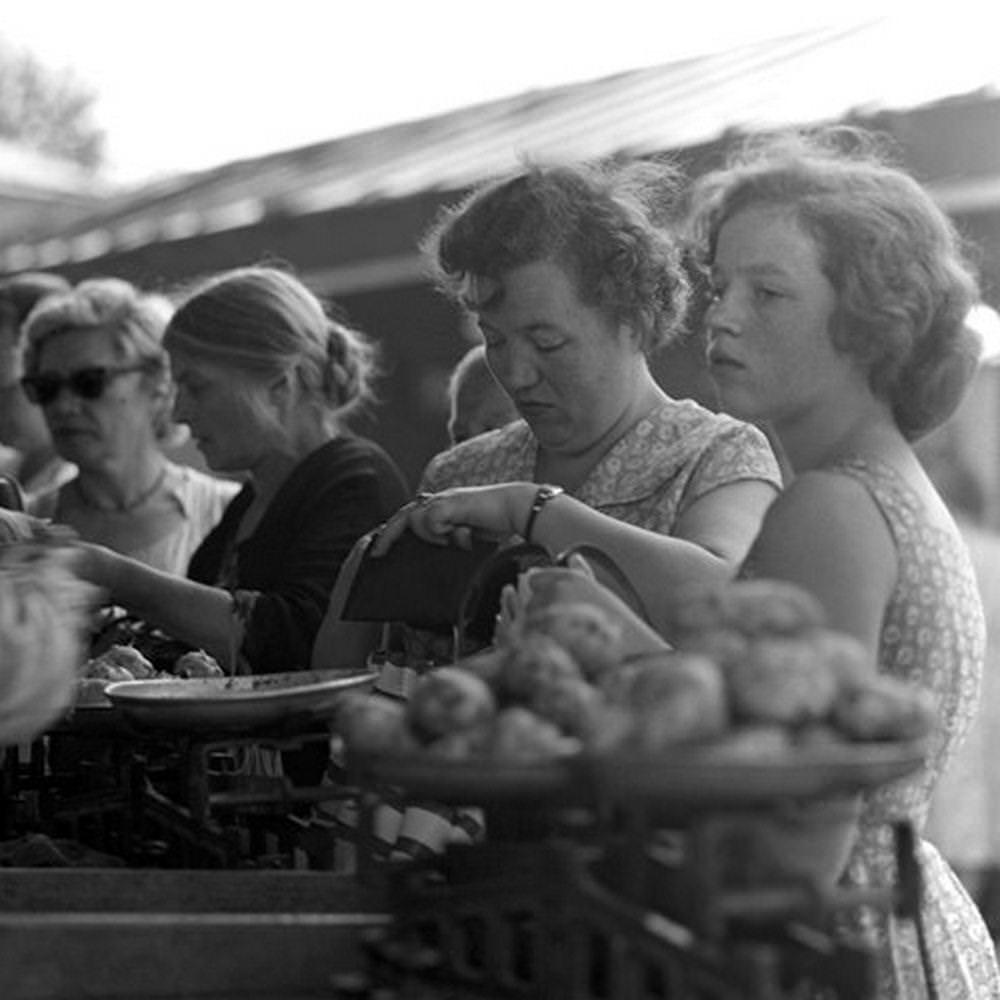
(327, 133)
(197, 82)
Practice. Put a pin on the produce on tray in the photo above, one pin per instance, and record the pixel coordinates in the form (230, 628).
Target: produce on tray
(754, 672)
(126, 663)
(44, 611)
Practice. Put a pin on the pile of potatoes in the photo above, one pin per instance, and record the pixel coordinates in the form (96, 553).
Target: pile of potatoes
(121, 662)
(753, 671)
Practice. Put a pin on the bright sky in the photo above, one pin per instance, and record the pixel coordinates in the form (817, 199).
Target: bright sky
(192, 83)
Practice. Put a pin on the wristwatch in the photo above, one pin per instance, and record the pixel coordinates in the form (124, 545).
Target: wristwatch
(543, 495)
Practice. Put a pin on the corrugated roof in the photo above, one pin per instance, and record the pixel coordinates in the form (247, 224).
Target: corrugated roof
(809, 77)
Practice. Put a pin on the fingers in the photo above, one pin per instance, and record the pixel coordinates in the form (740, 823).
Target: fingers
(417, 516)
(390, 531)
(579, 564)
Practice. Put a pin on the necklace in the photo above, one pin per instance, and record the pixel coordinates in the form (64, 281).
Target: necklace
(144, 497)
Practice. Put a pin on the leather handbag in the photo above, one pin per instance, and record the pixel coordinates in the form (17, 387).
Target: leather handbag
(436, 587)
(444, 588)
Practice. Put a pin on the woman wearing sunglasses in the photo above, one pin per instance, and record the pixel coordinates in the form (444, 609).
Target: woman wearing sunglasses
(96, 367)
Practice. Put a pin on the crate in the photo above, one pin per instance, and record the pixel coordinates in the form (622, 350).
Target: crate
(537, 922)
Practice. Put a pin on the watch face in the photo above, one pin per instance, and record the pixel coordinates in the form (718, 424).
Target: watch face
(543, 495)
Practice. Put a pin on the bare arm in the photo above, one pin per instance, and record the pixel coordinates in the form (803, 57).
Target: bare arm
(825, 534)
(710, 541)
(189, 611)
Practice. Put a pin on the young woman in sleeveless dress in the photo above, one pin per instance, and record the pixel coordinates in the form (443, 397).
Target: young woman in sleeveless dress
(838, 317)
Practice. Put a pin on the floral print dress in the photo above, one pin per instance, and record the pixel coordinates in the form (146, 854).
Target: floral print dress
(932, 635)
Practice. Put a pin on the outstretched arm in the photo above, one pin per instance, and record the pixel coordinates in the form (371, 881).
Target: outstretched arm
(709, 542)
(192, 612)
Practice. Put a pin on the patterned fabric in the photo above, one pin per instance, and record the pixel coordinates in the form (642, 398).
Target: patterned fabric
(932, 636)
(964, 822)
(670, 458)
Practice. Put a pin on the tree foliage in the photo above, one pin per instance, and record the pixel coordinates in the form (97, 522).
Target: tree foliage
(47, 110)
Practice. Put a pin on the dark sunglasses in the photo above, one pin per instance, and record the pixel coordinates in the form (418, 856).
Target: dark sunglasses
(86, 383)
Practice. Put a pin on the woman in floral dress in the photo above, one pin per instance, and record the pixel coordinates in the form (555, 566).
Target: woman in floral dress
(838, 316)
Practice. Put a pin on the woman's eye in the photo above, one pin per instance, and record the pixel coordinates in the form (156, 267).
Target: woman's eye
(767, 294)
(547, 347)
(546, 342)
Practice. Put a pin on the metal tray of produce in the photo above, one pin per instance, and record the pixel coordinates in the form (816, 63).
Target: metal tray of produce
(236, 704)
(470, 780)
(721, 776)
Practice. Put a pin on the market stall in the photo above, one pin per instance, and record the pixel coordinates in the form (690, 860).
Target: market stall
(653, 828)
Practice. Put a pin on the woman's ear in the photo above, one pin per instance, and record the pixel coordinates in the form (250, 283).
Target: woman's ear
(281, 389)
(629, 335)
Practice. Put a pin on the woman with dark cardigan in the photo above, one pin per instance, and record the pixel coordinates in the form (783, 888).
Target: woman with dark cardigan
(265, 379)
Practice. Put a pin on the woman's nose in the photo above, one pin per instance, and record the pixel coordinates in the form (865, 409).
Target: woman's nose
(65, 401)
(724, 313)
(517, 370)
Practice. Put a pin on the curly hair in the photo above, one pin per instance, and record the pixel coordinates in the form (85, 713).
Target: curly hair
(903, 284)
(604, 223)
(262, 320)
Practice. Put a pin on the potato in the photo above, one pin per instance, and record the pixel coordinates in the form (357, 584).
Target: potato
(373, 723)
(585, 631)
(121, 656)
(447, 699)
(782, 680)
(520, 734)
(753, 607)
(571, 703)
(678, 700)
(534, 661)
(885, 709)
(197, 663)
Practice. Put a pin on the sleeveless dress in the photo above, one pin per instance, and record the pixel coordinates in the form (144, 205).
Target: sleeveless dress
(933, 635)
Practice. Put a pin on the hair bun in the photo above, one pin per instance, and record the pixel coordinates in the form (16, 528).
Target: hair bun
(932, 386)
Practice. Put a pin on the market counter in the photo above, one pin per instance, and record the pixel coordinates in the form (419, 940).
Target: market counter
(107, 934)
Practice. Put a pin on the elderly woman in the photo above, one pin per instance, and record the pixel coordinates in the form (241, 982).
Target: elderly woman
(96, 367)
(266, 380)
(574, 282)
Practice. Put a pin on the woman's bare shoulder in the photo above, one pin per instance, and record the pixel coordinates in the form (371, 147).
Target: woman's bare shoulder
(826, 525)
(827, 501)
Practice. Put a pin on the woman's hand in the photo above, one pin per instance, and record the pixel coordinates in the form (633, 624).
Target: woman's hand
(453, 516)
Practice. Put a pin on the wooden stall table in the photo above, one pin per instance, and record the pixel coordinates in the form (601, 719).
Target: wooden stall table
(106, 934)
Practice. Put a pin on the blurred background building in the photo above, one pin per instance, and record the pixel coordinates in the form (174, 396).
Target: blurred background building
(347, 214)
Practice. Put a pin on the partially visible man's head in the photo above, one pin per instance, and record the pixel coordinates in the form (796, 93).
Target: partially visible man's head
(477, 403)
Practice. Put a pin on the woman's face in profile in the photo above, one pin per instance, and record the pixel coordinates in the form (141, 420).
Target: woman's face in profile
(568, 368)
(217, 405)
(769, 351)
(110, 427)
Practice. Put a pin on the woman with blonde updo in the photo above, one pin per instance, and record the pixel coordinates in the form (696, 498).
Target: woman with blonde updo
(96, 366)
(265, 379)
